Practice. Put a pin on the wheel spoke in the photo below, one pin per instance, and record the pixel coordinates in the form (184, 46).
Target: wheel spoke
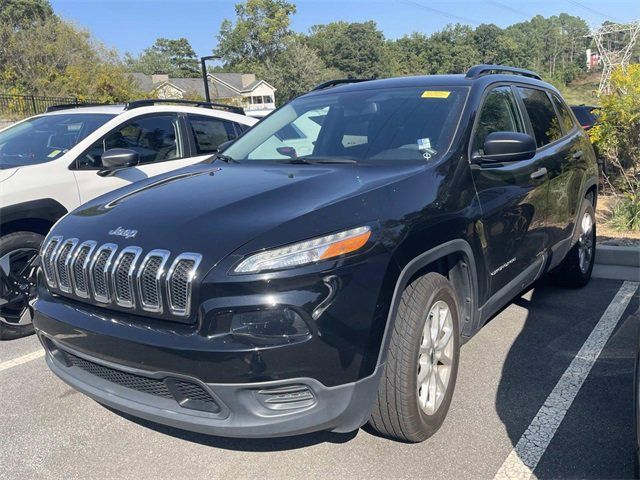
(439, 381)
(425, 371)
(433, 391)
(26, 316)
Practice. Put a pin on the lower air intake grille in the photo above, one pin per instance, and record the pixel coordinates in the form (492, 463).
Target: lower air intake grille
(186, 394)
(124, 379)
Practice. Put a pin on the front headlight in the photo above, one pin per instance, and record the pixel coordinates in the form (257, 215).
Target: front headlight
(309, 251)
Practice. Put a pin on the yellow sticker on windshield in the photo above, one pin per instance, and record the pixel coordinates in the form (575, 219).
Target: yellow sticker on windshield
(436, 94)
(54, 153)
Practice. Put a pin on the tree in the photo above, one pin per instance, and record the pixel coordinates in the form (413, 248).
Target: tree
(296, 70)
(173, 57)
(259, 33)
(452, 50)
(358, 50)
(20, 14)
(53, 57)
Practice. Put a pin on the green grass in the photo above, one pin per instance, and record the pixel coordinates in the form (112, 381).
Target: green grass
(582, 90)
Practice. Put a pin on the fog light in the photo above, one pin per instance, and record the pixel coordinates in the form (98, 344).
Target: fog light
(276, 325)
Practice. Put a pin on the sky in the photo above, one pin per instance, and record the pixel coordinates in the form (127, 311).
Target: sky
(133, 25)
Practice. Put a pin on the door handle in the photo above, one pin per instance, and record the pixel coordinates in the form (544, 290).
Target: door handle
(541, 172)
(577, 155)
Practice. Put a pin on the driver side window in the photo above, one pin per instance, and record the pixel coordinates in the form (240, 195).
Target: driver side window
(499, 113)
(156, 139)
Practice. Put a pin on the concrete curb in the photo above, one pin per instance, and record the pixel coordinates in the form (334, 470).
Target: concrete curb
(617, 263)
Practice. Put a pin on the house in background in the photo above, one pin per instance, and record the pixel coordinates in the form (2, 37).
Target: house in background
(256, 96)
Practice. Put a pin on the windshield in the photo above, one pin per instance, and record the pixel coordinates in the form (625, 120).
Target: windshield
(45, 138)
(408, 123)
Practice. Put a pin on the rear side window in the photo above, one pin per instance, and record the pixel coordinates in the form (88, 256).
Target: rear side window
(565, 116)
(499, 113)
(545, 123)
(209, 132)
(584, 116)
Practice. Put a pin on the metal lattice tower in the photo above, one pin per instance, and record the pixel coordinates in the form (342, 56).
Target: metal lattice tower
(615, 43)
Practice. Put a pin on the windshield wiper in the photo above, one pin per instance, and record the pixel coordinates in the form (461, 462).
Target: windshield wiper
(319, 160)
(224, 158)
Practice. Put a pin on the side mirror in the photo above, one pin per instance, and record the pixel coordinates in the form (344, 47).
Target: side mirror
(116, 159)
(507, 147)
(224, 145)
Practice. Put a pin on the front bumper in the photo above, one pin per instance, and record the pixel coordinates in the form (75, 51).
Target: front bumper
(264, 409)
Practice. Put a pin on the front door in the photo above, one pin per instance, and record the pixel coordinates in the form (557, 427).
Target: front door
(158, 139)
(512, 196)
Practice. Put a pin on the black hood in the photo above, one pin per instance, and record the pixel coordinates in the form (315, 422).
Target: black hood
(214, 209)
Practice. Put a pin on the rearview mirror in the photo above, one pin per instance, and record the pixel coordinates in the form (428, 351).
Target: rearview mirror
(507, 147)
(116, 159)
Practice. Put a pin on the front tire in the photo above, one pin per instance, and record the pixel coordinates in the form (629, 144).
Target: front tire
(575, 270)
(18, 252)
(417, 386)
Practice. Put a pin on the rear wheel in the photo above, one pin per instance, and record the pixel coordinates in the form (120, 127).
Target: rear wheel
(422, 364)
(18, 252)
(575, 270)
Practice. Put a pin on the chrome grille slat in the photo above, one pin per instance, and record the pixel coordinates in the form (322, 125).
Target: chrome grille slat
(48, 254)
(122, 276)
(149, 280)
(179, 280)
(99, 270)
(80, 266)
(61, 264)
(112, 276)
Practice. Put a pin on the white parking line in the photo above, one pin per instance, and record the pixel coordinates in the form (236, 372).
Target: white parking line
(20, 360)
(525, 456)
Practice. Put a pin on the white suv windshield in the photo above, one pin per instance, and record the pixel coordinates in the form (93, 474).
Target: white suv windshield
(45, 138)
(407, 123)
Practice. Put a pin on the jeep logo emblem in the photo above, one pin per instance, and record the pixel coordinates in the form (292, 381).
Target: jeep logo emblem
(123, 232)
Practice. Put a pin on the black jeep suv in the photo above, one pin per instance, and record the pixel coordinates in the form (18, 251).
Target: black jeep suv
(323, 272)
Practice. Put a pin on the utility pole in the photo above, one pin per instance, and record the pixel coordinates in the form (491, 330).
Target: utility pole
(203, 64)
(615, 42)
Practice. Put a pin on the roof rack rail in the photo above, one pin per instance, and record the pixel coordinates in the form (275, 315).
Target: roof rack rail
(339, 81)
(153, 101)
(65, 106)
(480, 70)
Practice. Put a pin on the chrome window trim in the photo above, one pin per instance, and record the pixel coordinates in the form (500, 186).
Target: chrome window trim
(107, 269)
(197, 258)
(73, 242)
(85, 267)
(164, 255)
(50, 281)
(137, 251)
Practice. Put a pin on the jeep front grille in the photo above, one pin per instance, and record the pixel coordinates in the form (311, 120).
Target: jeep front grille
(119, 277)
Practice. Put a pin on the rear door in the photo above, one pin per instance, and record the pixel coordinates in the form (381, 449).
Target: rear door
(512, 195)
(559, 140)
(206, 133)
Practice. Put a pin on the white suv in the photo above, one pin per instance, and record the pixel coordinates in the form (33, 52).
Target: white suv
(52, 163)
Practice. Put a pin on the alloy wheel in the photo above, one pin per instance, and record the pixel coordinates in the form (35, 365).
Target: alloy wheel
(435, 358)
(18, 285)
(585, 243)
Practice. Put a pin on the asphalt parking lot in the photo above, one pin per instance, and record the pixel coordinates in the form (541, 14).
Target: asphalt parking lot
(508, 371)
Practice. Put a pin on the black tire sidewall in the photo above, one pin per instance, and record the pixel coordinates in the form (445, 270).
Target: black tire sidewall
(431, 423)
(8, 243)
(569, 274)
